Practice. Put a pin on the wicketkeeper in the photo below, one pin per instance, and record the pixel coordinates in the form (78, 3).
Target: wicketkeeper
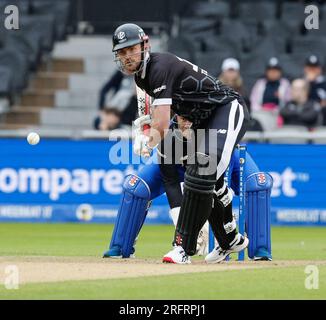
(154, 179)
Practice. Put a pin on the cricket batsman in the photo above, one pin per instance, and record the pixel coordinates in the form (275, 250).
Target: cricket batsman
(218, 115)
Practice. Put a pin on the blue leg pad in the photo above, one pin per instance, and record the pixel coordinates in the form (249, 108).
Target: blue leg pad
(258, 220)
(131, 215)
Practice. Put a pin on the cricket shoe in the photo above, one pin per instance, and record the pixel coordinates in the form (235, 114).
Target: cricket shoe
(177, 255)
(116, 253)
(218, 254)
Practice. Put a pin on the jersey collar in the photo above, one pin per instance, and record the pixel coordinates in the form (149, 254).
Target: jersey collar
(143, 71)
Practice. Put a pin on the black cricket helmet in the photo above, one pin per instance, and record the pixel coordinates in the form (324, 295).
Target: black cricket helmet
(127, 35)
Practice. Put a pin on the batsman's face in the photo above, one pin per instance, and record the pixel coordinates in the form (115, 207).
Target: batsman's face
(130, 58)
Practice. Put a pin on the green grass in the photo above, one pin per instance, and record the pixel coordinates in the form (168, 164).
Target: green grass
(88, 240)
(245, 284)
(85, 240)
(92, 239)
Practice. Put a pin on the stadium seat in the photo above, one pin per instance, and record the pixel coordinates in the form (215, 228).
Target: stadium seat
(211, 9)
(209, 42)
(27, 43)
(323, 12)
(243, 35)
(253, 65)
(60, 9)
(18, 64)
(221, 45)
(292, 66)
(292, 11)
(183, 47)
(189, 25)
(257, 11)
(249, 81)
(43, 24)
(237, 28)
(308, 45)
(277, 28)
(5, 80)
(269, 46)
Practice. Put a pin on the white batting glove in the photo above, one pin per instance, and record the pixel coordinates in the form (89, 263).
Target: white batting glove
(140, 146)
(140, 143)
(142, 120)
(146, 151)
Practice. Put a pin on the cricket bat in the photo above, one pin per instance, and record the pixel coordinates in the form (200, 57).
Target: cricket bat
(144, 103)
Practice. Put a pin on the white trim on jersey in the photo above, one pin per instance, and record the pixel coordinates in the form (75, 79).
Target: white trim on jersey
(231, 137)
(160, 102)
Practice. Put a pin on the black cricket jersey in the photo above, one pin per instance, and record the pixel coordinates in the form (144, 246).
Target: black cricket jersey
(190, 90)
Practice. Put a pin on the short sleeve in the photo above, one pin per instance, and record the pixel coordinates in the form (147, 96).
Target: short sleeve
(162, 81)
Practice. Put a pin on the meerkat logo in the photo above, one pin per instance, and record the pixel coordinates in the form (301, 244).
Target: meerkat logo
(84, 212)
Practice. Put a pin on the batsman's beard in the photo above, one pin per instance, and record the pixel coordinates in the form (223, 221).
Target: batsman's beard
(138, 65)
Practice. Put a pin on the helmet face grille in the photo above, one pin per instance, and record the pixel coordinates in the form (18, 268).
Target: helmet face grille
(122, 66)
(128, 35)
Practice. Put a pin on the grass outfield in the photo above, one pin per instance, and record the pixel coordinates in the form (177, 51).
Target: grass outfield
(79, 241)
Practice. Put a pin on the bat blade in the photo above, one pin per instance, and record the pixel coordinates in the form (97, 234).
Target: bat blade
(143, 102)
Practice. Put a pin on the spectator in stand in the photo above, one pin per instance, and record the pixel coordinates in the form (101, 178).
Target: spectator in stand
(119, 93)
(301, 110)
(110, 119)
(313, 74)
(271, 91)
(130, 113)
(231, 76)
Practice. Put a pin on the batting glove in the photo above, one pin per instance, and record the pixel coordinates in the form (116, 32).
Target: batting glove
(142, 120)
(140, 146)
